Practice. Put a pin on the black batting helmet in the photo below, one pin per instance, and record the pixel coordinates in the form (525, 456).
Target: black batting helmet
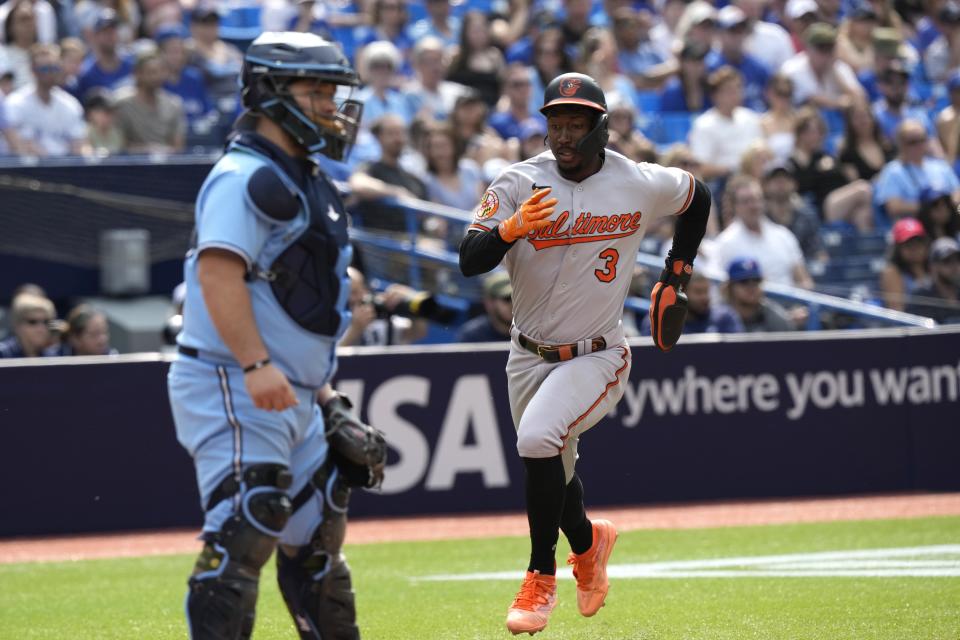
(574, 89)
(274, 60)
(579, 90)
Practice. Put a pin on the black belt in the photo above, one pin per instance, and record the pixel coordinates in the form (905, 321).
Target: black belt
(558, 352)
(188, 351)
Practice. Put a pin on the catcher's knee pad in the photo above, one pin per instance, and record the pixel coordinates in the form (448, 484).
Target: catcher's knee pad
(315, 582)
(223, 588)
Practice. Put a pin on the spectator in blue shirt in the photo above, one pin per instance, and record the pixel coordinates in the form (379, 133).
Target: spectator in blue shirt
(638, 57)
(494, 324)
(688, 91)
(888, 47)
(734, 27)
(893, 108)
(703, 315)
(183, 80)
(902, 181)
(389, 22)
(514, 106)
(438, 23)
(378, 63)
(106, 67)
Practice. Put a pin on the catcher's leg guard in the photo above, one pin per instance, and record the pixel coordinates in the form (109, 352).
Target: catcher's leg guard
(222, 597)
(315, 582)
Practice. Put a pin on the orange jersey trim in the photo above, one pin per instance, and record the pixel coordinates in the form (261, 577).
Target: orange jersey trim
(606, 390)
(479, 227)
(686, 203)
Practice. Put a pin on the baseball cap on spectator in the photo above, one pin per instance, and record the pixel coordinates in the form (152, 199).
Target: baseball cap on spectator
(929, 195)
(944, 249)
(796, 9)
(820, 34)
(205, 13)
(907, 229)
(888, 42)
(731, 17)
(897, 68)
(744, 269)
(701, 12)
(497, 285)
(98, 98)
(105, 18)
(950, 13)
(169, 31)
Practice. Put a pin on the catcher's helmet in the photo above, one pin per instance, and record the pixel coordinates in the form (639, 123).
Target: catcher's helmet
(273, 61)
(579, 90)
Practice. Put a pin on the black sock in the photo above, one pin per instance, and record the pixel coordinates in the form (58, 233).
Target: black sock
(573, 521)
(545, 492)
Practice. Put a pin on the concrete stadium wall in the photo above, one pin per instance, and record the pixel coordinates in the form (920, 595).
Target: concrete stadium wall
(88, 443)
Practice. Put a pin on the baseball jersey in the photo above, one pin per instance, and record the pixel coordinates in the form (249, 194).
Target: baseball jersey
(225, 219)
(570, 279)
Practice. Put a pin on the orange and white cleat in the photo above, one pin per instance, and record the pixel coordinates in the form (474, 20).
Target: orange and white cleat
(590, 568)
(531, 608)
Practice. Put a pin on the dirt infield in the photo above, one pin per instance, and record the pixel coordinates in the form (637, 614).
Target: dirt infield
(364, 531)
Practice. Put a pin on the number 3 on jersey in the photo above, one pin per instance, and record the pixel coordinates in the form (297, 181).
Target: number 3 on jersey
(609, 271)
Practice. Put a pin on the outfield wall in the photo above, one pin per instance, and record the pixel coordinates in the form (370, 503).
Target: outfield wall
(88, 443)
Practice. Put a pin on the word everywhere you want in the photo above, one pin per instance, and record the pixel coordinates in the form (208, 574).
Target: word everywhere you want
(796, 393)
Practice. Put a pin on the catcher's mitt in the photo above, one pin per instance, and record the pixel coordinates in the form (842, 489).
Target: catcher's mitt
(359, 450)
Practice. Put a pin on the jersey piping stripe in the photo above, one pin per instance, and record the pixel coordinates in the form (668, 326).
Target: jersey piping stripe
(616, 380)
(686, 203)
(479, 227)
(237, 433)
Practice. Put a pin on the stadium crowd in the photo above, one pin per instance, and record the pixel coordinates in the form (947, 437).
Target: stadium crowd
(822, 126)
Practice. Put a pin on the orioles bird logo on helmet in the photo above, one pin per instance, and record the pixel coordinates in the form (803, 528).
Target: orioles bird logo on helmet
(569, 87)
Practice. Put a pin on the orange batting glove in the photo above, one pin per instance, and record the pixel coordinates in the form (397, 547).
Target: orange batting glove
(531, 216)
(668, 304)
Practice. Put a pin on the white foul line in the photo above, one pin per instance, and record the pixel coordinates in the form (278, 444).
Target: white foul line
(901, 562)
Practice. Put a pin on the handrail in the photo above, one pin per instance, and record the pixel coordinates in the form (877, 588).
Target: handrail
(813, 300)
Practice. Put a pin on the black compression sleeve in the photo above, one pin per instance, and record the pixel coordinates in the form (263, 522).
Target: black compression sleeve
(691, 226)
(481, 251)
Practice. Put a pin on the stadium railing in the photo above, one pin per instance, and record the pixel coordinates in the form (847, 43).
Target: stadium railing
(416, 255)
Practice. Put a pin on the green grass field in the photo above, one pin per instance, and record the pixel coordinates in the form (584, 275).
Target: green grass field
(143, 598)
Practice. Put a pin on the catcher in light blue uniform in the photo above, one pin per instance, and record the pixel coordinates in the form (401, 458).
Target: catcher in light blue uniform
(276, 449)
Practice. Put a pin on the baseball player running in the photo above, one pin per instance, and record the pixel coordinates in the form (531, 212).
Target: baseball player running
(265, 305)
(568, 224)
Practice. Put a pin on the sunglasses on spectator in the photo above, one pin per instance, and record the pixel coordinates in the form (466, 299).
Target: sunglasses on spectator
(49, 68)
(914, 141)
(825, 48)
(381, 65)
(35, 321)
(516, 84)
(550, 52)
(750, 282)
